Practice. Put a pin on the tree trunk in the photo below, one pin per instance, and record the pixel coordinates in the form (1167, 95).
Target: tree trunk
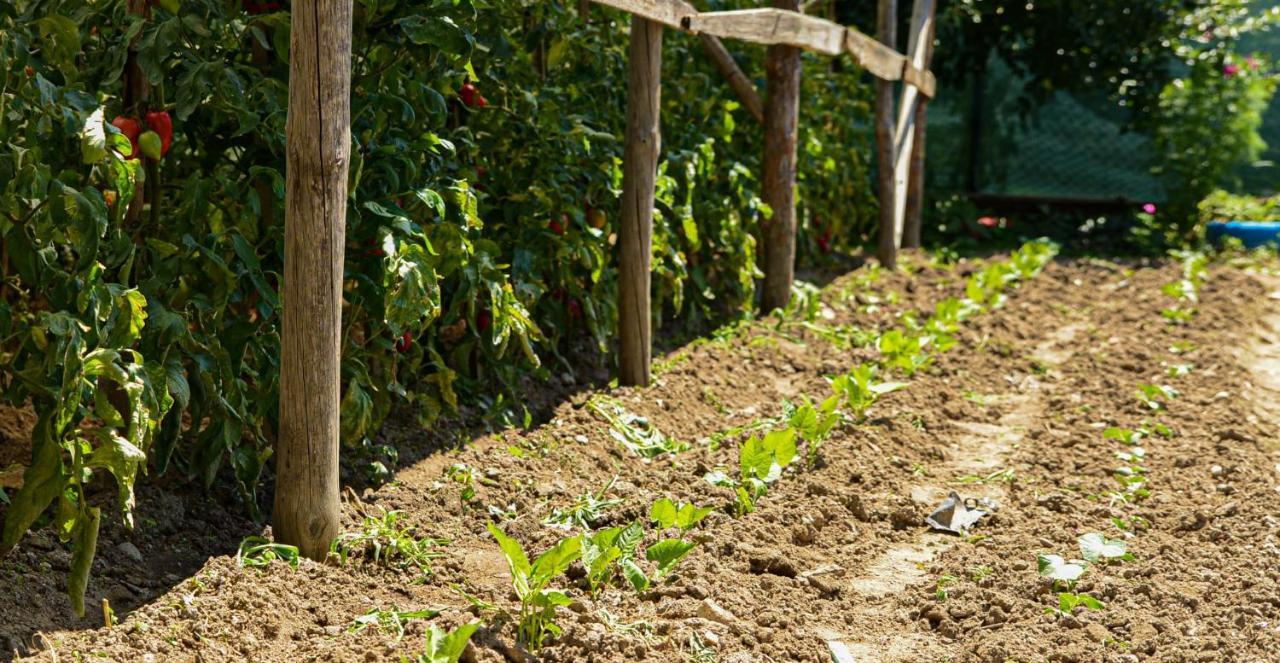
(887, 33)
(318, 133)
(640, 170)
(781, 117)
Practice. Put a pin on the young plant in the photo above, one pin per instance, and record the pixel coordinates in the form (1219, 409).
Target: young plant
(634, 432)
(538, 603)
(760, 463)
(259, 552)
(464, 475)
(1095, 548)
(813, 423)
(447, 647)
(860, 390)
(907, 353)
(387, 541)
(685, 516)
(1065, 574)
(611, 552)
(1154, 396)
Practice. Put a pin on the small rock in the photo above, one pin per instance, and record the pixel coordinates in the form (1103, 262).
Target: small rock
(1097, 632)
(580, 439)
(130, 551)
(711, 611)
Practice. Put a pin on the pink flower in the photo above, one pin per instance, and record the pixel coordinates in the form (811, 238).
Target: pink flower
(1230, 70)
(1149, 208)
(1252, 62)
(988, 221)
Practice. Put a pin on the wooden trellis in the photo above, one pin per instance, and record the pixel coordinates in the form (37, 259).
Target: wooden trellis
(784, 29)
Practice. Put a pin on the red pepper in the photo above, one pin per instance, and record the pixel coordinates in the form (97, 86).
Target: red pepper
(161, 123)
(404, 343)
(468, 93)
(131, 128)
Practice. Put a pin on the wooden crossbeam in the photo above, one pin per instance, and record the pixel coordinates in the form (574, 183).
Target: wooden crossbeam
(781, 26)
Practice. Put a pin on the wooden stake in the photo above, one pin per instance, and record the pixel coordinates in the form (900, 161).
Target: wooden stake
(640, 170)
(728, 67)
(781, 119)
(887, 33)
(915, 180)
(318, 133)
(905, 133)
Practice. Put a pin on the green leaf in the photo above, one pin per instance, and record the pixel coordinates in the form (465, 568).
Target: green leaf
(1057, 568)
(61, 39)
(691, 515)
(516, 560)
(1094, 546)
(634, 575)
(667, 553)
(412, 298)
(555, 561)
(93, 138)
(448, 648)
(663, 512)
(41, 483)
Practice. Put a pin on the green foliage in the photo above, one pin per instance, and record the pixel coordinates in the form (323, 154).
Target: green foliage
(259, 552)
(860, 390)
(634, 432)
(761, 462)
(389, 620)
(456, 285)
(685, 516)
(387, 541)
(904, 352)
(538, 603)
(447, 647)
(813, 423)
(585, 510)
(1224, 206)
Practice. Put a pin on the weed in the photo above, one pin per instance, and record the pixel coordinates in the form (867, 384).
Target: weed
(389, 620)
(585, 510)
(634, 432)
(259, 552)
(387, 541)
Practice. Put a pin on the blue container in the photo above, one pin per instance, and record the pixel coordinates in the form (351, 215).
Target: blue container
(1252, 233)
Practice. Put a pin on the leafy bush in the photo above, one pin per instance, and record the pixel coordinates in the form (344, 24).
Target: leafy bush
(480, 221)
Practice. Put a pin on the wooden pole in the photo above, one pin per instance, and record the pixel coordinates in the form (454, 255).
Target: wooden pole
(905, 133)
(887, 33)
(318, 139)
(741, 85)
(781, 118)
(640, 171)
(915, 181)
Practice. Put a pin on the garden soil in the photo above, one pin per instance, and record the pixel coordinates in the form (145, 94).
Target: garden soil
(837, 557)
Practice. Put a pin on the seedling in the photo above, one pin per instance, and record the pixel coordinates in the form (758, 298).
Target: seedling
(259, 552)
(1179, 370)
(387, 541)
(585, 510)
(813, 423)
(999, 476)
(941, 589)
(860, 390)
(1064, 575)
(538, 603)
(760, 463)
(389, 620)
(464, 475)
(845, 337)
(1154, 396)
(666, 514)
(981, 572)
(447, 647)
(634, 432)
(610, 552)
(1095, 547)
(904, 352)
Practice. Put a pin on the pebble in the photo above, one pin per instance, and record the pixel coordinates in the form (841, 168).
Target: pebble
(130, 551)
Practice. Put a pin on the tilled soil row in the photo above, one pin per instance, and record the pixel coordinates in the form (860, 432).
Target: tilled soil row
(1205, 584)
(775, 585)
